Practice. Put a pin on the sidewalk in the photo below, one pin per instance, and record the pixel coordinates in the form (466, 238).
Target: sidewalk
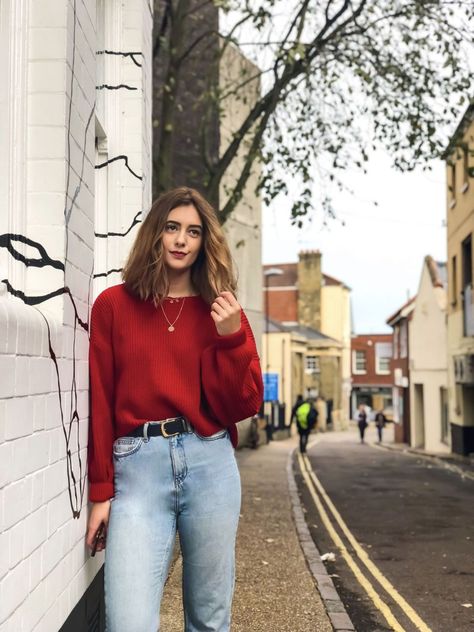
(463, 465)
(275, 591)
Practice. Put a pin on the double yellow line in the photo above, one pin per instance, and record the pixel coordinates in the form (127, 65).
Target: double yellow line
(315, 488)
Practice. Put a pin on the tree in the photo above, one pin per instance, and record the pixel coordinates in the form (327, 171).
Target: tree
(338, 77)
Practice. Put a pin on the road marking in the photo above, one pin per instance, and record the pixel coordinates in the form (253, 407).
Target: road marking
(314, 484)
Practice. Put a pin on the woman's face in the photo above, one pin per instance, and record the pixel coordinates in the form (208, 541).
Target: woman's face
(182, 238)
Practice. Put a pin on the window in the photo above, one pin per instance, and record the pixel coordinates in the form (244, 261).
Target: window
(454, 285)
(396, 341)
(312, 364)
(465, 161)
(403, 339)
(383, 355)
(452, 184)
(467, 294)
(444, 414)
(359, 362)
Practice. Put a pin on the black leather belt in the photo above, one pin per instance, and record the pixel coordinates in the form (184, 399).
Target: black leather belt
(163, 428)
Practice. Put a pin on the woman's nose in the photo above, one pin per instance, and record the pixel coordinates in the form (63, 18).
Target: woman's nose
(181, 237)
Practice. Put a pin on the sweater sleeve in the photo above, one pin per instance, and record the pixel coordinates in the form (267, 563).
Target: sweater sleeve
(101, 402)
(231, 375)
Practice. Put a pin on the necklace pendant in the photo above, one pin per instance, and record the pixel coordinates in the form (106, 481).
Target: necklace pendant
(171, 328)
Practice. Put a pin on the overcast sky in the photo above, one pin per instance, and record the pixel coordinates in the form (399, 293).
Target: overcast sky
(378, 251)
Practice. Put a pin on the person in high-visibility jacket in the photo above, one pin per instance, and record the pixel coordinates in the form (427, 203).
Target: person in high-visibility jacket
(306, 420)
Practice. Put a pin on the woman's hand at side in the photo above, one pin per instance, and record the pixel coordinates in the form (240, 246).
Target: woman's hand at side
(225, 311)
(99, 513)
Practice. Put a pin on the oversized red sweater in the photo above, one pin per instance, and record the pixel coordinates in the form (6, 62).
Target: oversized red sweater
(139, 371)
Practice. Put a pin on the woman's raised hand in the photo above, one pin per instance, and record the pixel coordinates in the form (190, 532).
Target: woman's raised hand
(225, 311)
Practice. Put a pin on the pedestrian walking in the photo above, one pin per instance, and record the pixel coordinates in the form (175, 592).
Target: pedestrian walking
(173, 366)
(296, 405)
(362, 422)
(380, 421)
(306, 420)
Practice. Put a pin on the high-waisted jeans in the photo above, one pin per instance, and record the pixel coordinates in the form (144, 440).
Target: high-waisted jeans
(187, 483)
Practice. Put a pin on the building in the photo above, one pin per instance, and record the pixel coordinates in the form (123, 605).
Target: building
(304, 299)
(302, 359)
(75, 125)
(428, 361)
(400, 368)
(460, 221)
(372, 377)
(201, 128)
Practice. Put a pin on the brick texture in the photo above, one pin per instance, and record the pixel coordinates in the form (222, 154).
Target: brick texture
(44, 566)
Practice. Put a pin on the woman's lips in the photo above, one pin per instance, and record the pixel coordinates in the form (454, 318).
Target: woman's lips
(178, 255)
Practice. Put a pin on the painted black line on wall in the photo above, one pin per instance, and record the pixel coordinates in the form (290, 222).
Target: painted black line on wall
(45, 260)
(121, 157)
(124, 54)
(36, 300)
(111, 234)
(106, 274)
(120, 86)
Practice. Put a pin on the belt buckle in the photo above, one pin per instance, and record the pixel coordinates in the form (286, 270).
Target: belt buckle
(163, 430)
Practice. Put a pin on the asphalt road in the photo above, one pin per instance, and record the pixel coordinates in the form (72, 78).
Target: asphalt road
(415, 519)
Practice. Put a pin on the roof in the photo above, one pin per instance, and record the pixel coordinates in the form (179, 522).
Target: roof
(464, 123)
(404, 311)
(289, 278)
(438, 272)
(274, 326)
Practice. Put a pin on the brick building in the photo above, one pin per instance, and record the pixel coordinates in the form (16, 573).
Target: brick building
(400, 322)
(372, 377)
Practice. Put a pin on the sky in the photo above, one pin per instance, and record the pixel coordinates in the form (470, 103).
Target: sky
(377, 251)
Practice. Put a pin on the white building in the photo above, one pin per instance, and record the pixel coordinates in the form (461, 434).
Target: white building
(428, 361)
(75, 130)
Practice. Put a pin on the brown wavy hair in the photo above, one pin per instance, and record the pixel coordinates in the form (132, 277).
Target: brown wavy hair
(145, 274)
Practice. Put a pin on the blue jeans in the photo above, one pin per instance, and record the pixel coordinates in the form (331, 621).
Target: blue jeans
(187, 483)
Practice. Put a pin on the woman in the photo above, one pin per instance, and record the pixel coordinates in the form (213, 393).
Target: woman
(173, 366)
(362, 422)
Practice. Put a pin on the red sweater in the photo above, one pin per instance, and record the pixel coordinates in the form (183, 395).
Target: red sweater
(139, 371)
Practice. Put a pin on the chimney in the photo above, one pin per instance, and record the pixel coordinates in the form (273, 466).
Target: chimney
(309, 288)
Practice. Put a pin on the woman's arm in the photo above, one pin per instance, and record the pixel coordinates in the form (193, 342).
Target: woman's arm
(101, 402)
(231, 376)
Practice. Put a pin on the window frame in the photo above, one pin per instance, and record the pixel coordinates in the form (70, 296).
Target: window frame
(312, 369)
(378, 357)
(355, 370)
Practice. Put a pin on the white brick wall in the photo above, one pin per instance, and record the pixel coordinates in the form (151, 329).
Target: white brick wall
(44, 566)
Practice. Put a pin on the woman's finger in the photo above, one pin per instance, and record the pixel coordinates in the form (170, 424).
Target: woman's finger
(225, 305)
(219, 310)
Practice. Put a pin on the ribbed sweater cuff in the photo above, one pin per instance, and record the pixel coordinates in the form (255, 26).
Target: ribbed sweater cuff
(99, 492)
(232, 340)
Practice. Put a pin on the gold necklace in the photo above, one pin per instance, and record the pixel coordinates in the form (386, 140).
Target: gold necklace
(171, 325)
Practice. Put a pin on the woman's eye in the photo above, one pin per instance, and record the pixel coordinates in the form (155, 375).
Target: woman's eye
(170, 227)
(195, 233)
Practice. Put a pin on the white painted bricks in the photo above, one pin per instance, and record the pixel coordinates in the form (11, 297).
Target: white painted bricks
(44, 566)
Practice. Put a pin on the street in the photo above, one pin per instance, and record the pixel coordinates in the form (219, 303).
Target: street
(407, 526)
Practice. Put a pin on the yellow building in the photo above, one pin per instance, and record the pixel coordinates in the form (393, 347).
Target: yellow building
(308, 344)
(336, 322)
(459, 158)
(302, 358)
